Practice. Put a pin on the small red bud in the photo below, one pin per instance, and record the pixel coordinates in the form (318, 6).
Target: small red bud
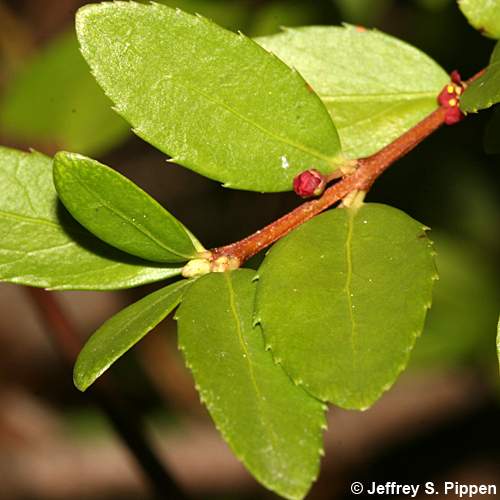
(453, 115)
(446, 96)
(309, 183)
(449, 99)
(455, 77)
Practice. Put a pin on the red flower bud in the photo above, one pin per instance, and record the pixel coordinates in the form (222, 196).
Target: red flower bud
(309, 183)
(453, 115)
(449, 99)
(455, 77)
(447, 95)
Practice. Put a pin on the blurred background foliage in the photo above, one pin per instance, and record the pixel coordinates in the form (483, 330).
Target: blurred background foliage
(52, 436)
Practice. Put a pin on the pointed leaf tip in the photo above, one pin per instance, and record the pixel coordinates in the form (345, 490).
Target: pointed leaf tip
(42, 246)
(118, 212)
(199, 80)
(484, 92)
(121, 332)
(273, 426)
(370, 108)
(342, 300)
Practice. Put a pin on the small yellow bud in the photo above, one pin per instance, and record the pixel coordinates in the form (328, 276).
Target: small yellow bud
(196, 267)
(224, 263)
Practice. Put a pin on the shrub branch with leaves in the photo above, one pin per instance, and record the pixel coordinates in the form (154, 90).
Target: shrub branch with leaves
(334, 310)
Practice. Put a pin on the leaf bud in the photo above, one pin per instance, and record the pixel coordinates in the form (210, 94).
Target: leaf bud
(309, 183)
(196, 267)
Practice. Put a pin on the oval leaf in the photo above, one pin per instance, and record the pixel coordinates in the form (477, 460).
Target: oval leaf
(55, 99)
(43, 246)
(118, 212)
(484, 15)
(273, 426)
(343, 65)
(121, 332)
(215, 101)
(485, 91)
(342, 299)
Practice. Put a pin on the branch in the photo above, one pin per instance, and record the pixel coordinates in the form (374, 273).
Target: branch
(368, 170)
(362, 179)
(124, 419)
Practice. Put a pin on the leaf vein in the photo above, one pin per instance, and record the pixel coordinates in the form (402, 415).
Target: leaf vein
(122, 216)
(378, 97)
(348, 285)
(269, 429)
(27, 218)
(22, 186)
(284, 140)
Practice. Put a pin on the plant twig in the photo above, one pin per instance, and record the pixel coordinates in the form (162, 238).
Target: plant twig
(367, 172)
(125, 420)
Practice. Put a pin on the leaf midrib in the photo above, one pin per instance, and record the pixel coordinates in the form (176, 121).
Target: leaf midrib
(271, 134)
(159, 300)
(380, 96)
(389, 110)
(259, 397)
(139, 228)
(27, 218)
(348, 285)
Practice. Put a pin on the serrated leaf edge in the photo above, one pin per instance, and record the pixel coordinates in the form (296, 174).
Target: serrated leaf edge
(209, 403)
(335, 161)
(397, 370)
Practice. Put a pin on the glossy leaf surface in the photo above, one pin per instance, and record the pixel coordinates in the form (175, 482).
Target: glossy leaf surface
(273, 426)
(485, 91)
(121, 332)
(484, 15)
(213, 100)
(118, 212)
(43, 246)
(342, 299)
(375, 86)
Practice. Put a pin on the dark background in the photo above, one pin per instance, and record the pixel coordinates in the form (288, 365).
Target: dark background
(440, 420)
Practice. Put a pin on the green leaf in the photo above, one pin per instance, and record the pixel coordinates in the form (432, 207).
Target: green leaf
(55, 99)
(342, 299)
(343, 65)
(485, 91)
(43, 246)
(213, 100)
(484, 15)
(273, 426)
(121, 332)
(118, 212)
